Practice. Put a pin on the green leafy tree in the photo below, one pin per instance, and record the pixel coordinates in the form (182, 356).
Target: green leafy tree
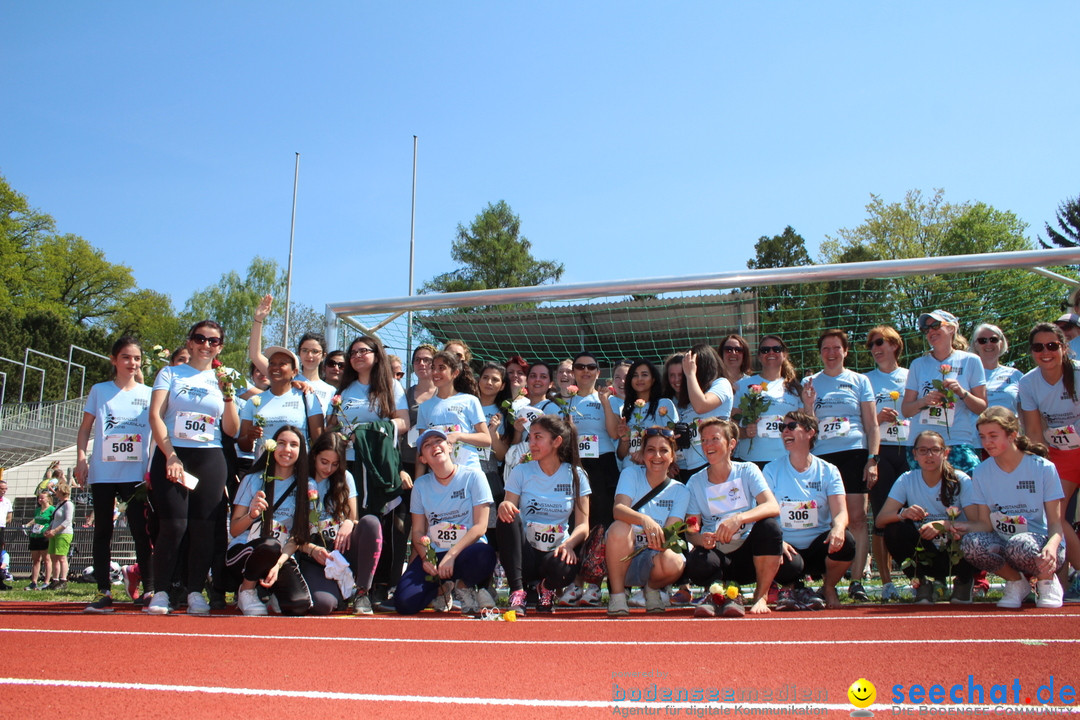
(21, 227)
(1068, 223)
(792, 311)
(74, 277)
(149, 316)
(493, 254)
(232, 302)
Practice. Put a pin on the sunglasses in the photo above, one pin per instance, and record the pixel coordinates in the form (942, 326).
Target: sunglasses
(766, 349)
(399, 375)
(361, 352)
(335, 364)
(876, 343)
(1051, 346)
(200, 339)
(659, 431)
(933, 325)
(992, 339)
(790, 426)
(733, 349)
(586, 366)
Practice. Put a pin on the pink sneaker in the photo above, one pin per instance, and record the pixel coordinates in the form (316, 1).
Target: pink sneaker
(132, 578)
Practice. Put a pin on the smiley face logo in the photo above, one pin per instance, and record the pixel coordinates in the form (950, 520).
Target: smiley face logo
(862, 693)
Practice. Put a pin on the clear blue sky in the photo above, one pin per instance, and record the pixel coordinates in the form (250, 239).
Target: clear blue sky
(633, 139)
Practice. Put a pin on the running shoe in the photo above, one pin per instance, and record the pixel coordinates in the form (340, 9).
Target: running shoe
(809, 600)
(197, 605)
(361, 604)
(654, 600)
(1015, 592)
(786, 600)
(705, 609)
(591, 596)
(159, 604)
(485, 596)
(616, 606)
(636, 599)
(466, 598)
(35, 586)
(132, 578)
(774, 594)
(889, 593)
(733, 608)
(249, 603)
(856, 593)
(962, 591)
(682, 597)
(546, 601)
(924, 594)
(102, 603)
(444, 601)
(1073, 593)
(571, 596)
(517, 602)
(1049, 593)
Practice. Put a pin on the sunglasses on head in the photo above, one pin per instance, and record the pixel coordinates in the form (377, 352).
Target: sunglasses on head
(200, 339)
(586, 366)
(1051, 346)
(766, 349)
(992, 339)
(659, 431)
(335, 364)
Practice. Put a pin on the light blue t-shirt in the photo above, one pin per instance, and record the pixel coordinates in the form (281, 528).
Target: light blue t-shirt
(546, 502)
(194, 406)
(768, 443)
(910, 489)
(357, 407)
(449, 508)
(713, 502)
(882, 384)
(640, 419)
(323, 390)
(672, 502)
(122, 435)
(803, 497)
(461, 411)
(1003, 387)
(283, 516)
(966, 369)
(325, 506)
(693, 457)
(1060, 413)
(1021, 494)
(588, 417)
(276, 411)
(838, 408)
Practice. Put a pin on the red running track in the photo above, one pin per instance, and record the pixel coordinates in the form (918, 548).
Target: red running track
(575, 664)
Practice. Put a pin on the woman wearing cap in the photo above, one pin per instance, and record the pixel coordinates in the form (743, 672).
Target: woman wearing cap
(190, 408)
(311, 352)
(281, 405)
(760, 441)
(450, 507)
(848, 437)
(945, 391)
(813, 514)
(704, 393)
(1002, 381)
(887, 380)
(1050, 402)
(638, 526)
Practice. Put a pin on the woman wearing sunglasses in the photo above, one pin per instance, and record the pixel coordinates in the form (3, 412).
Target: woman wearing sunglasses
(848, 437)
(639, 525)
(917, 525)
(704, 393)
(1051, 410)
(597, 427)
(946, 390)
(740, 539)
(735, 358)
(813, 515)
(887, 380)
(760, 441)
(189, 410)
(1002, 381)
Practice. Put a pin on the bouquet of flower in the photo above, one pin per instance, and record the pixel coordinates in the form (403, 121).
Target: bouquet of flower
(753, 405)
(950, 397)
(673, 540)
(719, 594)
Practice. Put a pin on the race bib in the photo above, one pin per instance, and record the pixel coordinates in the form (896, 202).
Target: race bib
(413, 436)
(1063, 438)
(801, 515)
(545, 538)
(277, 532)
(695, 436)
(895, 433)
(445, 535)
(937, 416)
(1008, 525)
(194, 426)
(834, 427)
(769, 427)
(328, 529)
(640, 538)
(589, 446)
(635, 441)
(123, 448)
(460, 449)
(36, 529)
(726, 498)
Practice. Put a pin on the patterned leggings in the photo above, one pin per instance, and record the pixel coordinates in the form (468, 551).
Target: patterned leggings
(988, 551)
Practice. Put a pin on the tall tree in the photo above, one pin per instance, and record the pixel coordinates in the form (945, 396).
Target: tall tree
(1068, 221)
(493, 254)
(21, 228)
(73, 276)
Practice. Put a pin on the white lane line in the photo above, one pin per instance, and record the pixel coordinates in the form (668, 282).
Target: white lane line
(491, 641)
(614, 706)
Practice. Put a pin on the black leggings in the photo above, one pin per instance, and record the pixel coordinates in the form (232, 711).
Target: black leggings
(706, 566)
(811, 559)
(194, 512)
(252, 561)
(524, 563)
(104, 495)
(603, 475)
(903, 537)
(892, 463)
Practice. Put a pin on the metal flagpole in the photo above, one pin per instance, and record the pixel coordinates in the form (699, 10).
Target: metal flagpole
(412, 256)
(292, 237)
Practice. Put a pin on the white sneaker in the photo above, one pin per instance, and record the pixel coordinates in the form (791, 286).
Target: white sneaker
(617, 605)
(571, 595)
(249, 603)
(466, 597)
(159, 604)
(197, 605)
(1014, 594)
(654, 600)
(485, 598)
(444, 601)
(1050, 593)
(274, 606)
(636, 599)
(591, 596)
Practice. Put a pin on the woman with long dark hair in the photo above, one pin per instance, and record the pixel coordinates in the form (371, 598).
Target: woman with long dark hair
(705, 393)
(643, 406)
